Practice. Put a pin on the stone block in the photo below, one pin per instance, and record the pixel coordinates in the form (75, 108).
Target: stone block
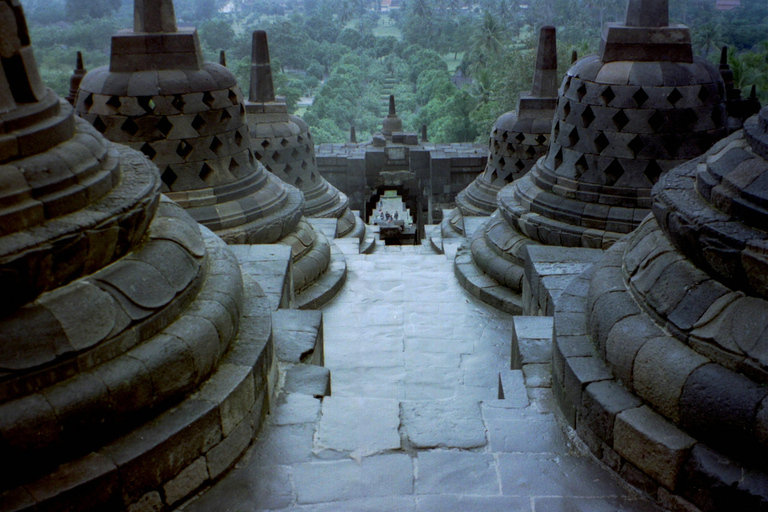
(651, 443)
(512, 387)
(223, 455)
(451, 423)
(150, 502)
(600, 403)
(85, 483)
(578, 372)
(538, 375)
(624, 341)
(168, 444)
(308, 379)
(719, 406)
(713, 482)
(192, 477)
(363, 426)
(661, 369)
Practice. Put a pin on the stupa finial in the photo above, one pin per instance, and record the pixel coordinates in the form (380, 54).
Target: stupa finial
(392, 109)
(154, 16)
(545, 74)
(647, 13)
(19, 77)
(262, 89)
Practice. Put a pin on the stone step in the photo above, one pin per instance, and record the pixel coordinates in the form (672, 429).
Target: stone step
(308, 380)
(269, 265)
(329, 283)
(512, 388)
(170, 456)
(368, 245)
(436, 239)
(473, 223)
(298, 336)
(481, 285)
(548, 271)
(325, 226)
(532, 349)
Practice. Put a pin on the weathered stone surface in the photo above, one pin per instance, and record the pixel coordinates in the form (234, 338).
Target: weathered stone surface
(382, 475)
(444, 472)
(601, 403)
(295, 408)
(364, 426)
(308, 379)
(719, 406)
(528, 474)
(187, 481)
(713, 482)
(655, 446)
(512, 388)
(662, 368)
(443, 424)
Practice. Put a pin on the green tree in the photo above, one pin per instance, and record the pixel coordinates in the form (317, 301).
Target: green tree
(217, 34)
(79, 9)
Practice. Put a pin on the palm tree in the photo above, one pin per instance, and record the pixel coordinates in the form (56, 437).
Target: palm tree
(488, 41)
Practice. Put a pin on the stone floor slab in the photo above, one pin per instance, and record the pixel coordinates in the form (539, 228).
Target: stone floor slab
(399, 504)
(282, 445)
(382, 475)
(459, 503)
(364, 426)
(570, 504)
(527, 474)
(528, 436)
(456, 472)
(295, 408)
(455, 423)
(248, 490)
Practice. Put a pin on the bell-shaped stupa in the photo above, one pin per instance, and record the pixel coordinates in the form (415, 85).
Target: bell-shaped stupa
(662, 347)
(121, 369)
(284, 145)
(624, 117)
(518, 139)
(188, 117)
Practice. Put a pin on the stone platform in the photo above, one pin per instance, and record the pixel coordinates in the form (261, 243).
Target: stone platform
(415, 422)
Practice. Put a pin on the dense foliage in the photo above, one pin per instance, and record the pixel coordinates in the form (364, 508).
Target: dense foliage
(453, 65)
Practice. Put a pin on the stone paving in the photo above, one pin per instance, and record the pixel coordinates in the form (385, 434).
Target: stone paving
(415, 422)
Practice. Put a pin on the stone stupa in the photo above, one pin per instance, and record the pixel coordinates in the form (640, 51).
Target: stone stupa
(284, 145)
(188, 117)
(624, 117)
(518, 139)
(124, 382)
(660, 355)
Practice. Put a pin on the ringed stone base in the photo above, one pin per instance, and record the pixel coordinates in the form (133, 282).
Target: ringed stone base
(683, 427)
(163, 461)
(483, 287)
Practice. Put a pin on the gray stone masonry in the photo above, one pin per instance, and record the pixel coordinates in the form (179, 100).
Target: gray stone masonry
(414, 423)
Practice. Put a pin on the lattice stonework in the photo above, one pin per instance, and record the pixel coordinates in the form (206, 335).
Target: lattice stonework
(196, 139)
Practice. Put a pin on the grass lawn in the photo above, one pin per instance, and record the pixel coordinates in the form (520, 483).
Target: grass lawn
(451, 62)
(387, 28)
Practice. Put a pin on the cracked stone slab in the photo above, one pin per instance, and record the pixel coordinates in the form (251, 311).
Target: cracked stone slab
(453, 423)
(363, 426)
